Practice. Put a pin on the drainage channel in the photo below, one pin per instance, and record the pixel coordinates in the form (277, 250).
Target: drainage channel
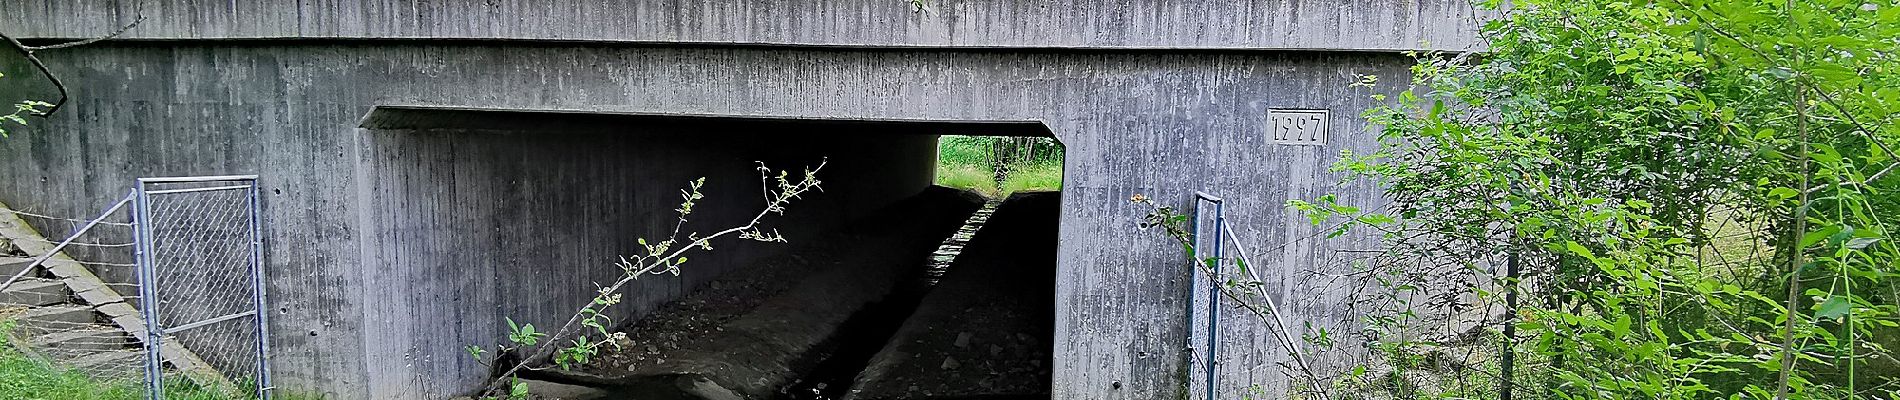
(864, 334)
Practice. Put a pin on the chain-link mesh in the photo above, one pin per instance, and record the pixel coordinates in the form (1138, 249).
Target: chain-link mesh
(200, 255)
(78, 302)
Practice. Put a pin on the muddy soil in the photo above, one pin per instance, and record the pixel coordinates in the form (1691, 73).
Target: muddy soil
(754, 331)
(984, 332)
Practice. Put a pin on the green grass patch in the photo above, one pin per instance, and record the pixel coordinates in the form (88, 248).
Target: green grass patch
(27, 378)
(968, 177)
(964, 162)
(1036, 177)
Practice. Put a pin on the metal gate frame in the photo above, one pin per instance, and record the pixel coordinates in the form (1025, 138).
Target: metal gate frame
(144, 256)
(1212, 358)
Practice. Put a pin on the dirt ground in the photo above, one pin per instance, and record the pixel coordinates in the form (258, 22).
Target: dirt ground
(985, 331)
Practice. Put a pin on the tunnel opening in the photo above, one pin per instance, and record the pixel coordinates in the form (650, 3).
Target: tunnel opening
(894, 286)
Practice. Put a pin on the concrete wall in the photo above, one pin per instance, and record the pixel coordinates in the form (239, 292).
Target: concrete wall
(1160, 123)
(1376, 25)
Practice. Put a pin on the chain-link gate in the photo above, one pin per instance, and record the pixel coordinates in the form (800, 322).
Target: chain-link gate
(199, 253)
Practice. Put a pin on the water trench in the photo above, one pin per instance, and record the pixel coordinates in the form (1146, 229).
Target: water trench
(943, 296)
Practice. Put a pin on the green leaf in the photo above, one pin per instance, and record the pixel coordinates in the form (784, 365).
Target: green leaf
(1579, 250)
(518, 390)
(1816, 236)
(1833, 308)
(1860, 243)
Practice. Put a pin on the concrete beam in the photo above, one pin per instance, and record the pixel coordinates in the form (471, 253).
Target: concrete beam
(1359, 25)
(549, 120)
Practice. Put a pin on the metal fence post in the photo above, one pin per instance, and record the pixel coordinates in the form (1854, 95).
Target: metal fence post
(257, 297)
(1213, 289)
(148, 298)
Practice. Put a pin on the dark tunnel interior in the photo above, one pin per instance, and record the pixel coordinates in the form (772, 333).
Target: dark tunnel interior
(888, 287)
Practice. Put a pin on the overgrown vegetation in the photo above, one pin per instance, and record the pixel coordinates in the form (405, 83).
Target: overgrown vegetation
(1679, 199)
(998, 166)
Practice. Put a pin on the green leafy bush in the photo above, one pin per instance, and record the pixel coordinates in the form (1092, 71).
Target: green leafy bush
(1622, 155)
(1681, 199)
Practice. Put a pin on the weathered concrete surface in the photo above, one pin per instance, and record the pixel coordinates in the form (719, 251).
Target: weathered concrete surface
(1156, 123)
(985, 331)
(1382, 25)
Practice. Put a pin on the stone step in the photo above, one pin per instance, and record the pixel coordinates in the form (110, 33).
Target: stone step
(83, 341)
(50, 319)
(116, 310)
(12, 265)
(125, 364)
(35, 292)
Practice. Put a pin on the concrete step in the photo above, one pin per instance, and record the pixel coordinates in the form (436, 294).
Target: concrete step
(82, 342)
(35, 292)
(50, 319)
(10, 265)
(115, 365)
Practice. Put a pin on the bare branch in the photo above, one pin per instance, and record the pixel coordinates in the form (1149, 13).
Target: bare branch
(28, 52)
(76, 43)
(775, 200)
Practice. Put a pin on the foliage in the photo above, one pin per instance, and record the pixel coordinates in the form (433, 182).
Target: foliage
(21, 110)
(1245, 290)
(970, 177)
(27, 378)
(587, 329)
(1034, 177)
(1605, 155)
(997, 166)
(1611, 200)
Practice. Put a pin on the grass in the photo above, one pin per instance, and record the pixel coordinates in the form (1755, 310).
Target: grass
(27, 378)
(23, 377)
(970, 177)
(1037, 177)
(963, 162)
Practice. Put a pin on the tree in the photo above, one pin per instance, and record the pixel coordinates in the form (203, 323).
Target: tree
(1661, 199)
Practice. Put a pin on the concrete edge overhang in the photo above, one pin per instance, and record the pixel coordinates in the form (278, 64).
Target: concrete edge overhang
(422, 117)
(1111, 25)
(307, 40)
